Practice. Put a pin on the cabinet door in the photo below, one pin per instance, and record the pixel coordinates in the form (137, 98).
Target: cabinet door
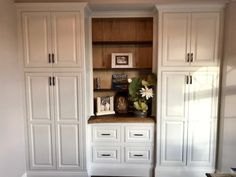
(203, 96)
(40, 121)
(68, 109)
(66, 29)
(205, 38)
(39, 97)
(176, 39)
(36, 38)
(202, 118)
(174, 114)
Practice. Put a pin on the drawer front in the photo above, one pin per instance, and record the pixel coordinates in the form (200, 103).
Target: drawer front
(139, 134)
(106, 154)
(138, 154)
(106, 133)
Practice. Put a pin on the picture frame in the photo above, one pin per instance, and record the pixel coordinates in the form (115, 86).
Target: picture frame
(105, 105)
(122, 60)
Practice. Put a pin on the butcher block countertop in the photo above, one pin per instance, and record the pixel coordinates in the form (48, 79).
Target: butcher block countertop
(120, 119)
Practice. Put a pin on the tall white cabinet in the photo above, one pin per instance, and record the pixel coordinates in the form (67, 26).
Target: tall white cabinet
(188, 82)
(51, 45)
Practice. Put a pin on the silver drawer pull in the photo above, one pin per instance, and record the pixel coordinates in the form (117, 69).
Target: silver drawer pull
(106, 155)
(106, 134)
(138, 155)
(138, 134)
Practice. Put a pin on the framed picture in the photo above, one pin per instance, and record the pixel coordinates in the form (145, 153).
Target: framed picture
(122, 60)
(105, 105)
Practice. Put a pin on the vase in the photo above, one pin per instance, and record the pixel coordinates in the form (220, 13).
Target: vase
(140, 114)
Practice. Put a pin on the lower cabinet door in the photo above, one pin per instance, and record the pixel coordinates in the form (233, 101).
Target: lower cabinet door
(105, 154)
(68, 146)
(41, 147)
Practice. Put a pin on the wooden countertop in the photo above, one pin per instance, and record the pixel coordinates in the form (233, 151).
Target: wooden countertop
(120, 119)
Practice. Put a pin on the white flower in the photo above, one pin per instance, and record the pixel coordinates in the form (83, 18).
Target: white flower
(146, 92)
(129, 80)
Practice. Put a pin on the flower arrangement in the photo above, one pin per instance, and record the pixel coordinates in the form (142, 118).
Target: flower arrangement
(140, 92)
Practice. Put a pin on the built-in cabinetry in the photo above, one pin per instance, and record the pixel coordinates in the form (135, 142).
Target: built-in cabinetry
(52, 54)
(121, 145)
(188, 75)
(122, 148)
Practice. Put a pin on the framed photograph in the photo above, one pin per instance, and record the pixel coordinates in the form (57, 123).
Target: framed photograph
(105, 105)
(122, 60)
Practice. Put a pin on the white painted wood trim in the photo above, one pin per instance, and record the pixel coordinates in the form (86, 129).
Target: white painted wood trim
(191, 7)
(56, 174)
(50, 6)
(122, 14)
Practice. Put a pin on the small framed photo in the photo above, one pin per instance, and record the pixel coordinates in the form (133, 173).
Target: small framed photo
(105, 105)
(122, 60)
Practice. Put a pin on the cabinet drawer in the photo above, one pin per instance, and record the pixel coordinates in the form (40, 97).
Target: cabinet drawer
(139, 134)
(106, 133)
(106, 154)
(138, 154)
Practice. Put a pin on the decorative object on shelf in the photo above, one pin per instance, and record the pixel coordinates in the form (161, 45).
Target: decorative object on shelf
(97, 83)
(121, 103)
(122, 60)
(105, 105)
(119, 81)
(140, 93)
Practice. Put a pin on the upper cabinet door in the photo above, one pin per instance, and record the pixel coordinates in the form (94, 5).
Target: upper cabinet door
(36, 38)
(205, 38)
(66, 28)
(175, 39)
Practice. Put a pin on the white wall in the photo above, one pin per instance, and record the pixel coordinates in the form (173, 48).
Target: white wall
(12, 145)
(227, 148)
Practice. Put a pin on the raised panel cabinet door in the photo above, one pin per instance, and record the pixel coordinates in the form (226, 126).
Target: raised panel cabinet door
(36, 29)
(41, 146)
(201, 143)
(203, 96)
(68, 97)
(205, 38)
(68, 146)
(173, 143)
(174, 96)
(66, 29)
(176, 39)
(39, 97)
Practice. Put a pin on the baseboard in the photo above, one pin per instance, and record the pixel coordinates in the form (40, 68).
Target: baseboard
(122, 170)
(56, 174)
(182, 171)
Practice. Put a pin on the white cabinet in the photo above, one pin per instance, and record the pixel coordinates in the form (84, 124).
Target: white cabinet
(188, 118)
(52, 39)
(54, 119)
(122, 149)
(190, 39)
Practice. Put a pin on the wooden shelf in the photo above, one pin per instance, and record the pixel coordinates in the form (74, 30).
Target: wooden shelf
(122, 42)
(125, 118)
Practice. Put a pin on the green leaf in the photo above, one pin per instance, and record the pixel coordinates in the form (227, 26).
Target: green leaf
(134, 87)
